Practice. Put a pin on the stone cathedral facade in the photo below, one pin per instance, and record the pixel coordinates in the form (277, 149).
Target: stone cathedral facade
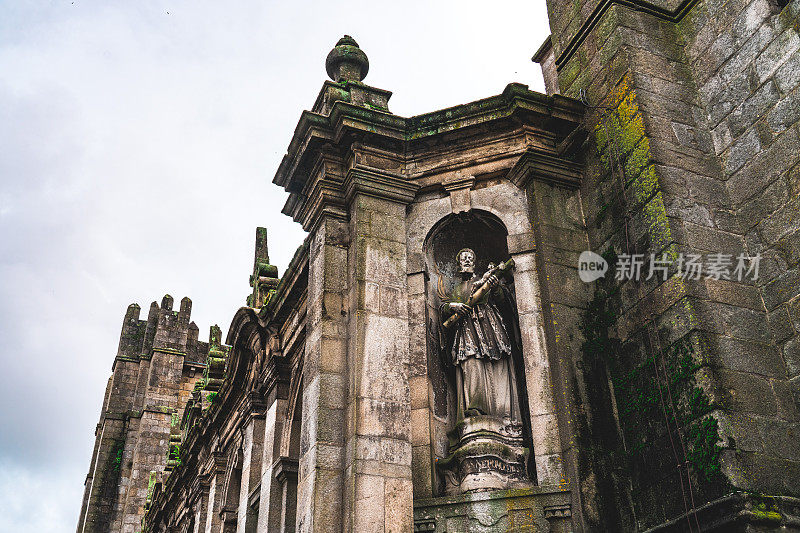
(435, 359)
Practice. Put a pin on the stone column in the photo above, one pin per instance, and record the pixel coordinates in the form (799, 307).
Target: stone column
(378, 487)
(544, 426)
(286, 477)
(201, 503)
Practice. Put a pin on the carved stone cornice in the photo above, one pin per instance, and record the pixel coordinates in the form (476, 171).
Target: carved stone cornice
(381, 147)
(537, 164)
(322, 194)
(372, 182)
(666, 10)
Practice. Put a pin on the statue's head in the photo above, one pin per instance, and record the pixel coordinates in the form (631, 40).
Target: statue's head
(466, 260)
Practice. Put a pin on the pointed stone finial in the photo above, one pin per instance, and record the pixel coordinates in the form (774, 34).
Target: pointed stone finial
(347, 62)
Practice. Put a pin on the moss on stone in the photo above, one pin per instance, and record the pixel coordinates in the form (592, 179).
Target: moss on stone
(624, 149)
(765, 509)
(648, 406)
(703, 451)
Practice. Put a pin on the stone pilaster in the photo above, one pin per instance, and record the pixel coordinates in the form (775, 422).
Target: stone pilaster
(378, 488)
(270, 508)
(319, 498)
(253, 434)
(200, 507)
(539, 383)
(212, 523)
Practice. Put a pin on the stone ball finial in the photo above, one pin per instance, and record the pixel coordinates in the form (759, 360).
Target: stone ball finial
(347, 62)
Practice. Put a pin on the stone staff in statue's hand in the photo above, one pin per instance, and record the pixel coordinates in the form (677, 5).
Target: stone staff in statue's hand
(482, 286)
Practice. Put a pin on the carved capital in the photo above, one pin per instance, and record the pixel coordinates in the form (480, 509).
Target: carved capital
(254, 405)
(538, 164)
(220, 463)
(459, 188)
(322, 194)
(378, 184)
(276, 373)
(285, 468)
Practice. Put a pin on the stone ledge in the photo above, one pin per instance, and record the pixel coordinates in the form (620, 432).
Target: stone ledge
(534, 509)
(672, 14)
(738, 511)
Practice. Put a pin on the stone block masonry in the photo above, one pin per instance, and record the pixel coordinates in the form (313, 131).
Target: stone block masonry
(695, 150)
(157, 365)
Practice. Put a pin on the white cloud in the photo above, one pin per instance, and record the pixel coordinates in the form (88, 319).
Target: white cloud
(33, 498)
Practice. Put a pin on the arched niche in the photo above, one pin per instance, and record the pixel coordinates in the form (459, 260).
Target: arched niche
(509, 205)
(484, 233)
(478, 230)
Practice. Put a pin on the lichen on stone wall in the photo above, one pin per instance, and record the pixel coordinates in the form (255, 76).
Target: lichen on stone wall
(765, 509)
(625, 153)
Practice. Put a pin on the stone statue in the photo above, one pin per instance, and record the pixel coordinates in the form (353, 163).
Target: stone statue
(481, 347)
(487, 449)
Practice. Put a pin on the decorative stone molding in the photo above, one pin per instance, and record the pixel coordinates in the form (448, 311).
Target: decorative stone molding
(531, 509)
(285, 468)
(545, 166)
(489, 455)
(322, 195)
(459, 188)
(377, 184)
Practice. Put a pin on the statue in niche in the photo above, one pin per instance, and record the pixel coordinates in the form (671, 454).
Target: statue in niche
(479, 338)
(480, 349)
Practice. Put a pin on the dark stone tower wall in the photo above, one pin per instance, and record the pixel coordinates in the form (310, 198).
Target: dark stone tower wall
(693, 148)
(157, 365)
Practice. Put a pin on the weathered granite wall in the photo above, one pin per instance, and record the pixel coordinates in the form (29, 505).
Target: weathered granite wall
(745, 61)
(157, 365)
(693, 151)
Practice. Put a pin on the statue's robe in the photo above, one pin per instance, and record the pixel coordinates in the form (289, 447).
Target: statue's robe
(480, 349)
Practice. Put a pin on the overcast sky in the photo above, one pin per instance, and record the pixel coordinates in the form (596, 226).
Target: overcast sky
(138, 141)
